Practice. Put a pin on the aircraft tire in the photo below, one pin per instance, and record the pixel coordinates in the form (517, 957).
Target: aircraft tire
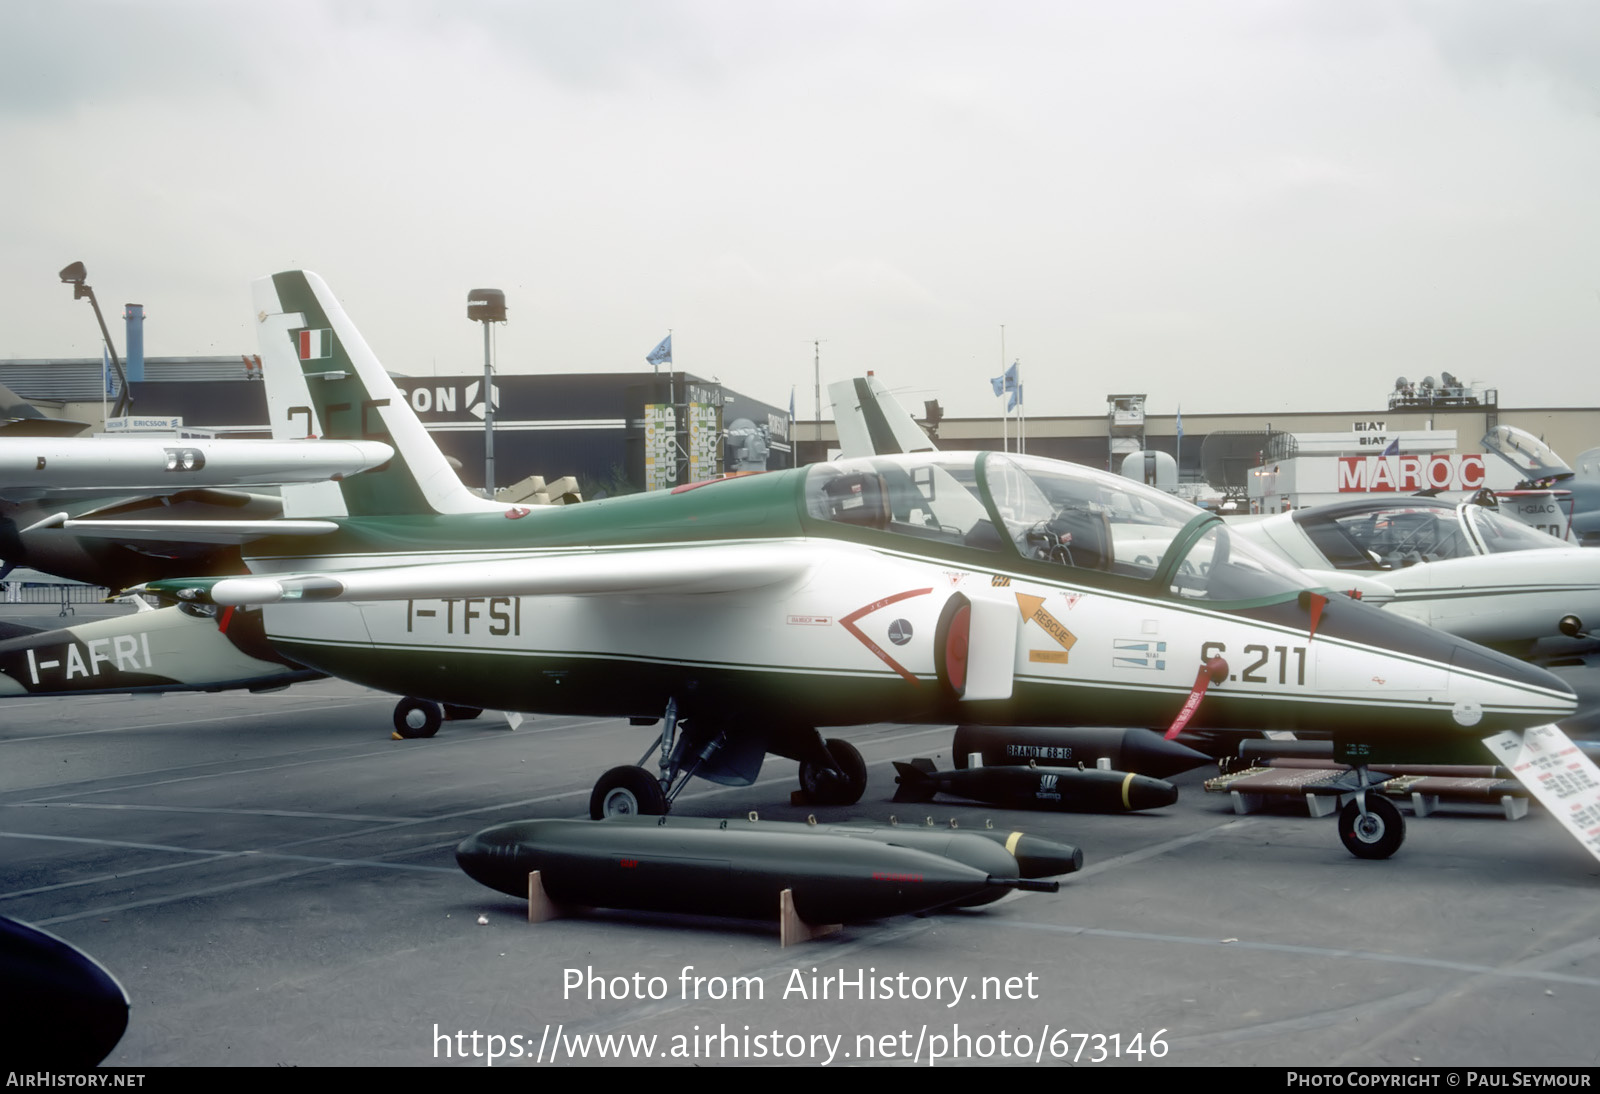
(835, 791)
(416, 718)
(625, 792)
(1376, 835)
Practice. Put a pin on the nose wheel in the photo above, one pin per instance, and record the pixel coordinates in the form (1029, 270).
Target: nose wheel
(1375, 832)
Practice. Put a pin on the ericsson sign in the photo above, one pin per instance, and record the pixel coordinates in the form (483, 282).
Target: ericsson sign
(1409, 474)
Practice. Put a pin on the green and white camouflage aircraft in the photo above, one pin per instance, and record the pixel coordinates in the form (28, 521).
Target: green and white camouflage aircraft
(746, 613)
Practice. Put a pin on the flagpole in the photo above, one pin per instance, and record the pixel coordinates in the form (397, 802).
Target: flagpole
(1022, 413)
(1005, 444)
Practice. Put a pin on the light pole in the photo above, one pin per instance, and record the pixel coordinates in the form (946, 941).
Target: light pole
(75, 275)
(487, 306)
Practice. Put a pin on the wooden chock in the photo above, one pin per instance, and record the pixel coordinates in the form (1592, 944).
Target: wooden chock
(792, 929)
(541, 908)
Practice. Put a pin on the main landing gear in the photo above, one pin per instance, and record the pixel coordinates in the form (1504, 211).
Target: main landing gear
(839, 779)
(832, 772)
(417, 718)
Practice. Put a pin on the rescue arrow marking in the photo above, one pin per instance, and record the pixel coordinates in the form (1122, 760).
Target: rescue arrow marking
(1032, 607)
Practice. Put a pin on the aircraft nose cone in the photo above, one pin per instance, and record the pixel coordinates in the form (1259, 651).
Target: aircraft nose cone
(1492, 692)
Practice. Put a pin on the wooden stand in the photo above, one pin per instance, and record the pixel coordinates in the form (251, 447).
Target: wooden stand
(541, 909)
(792, 929)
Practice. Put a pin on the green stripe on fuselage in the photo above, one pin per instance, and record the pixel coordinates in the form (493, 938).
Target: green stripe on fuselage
(750, 507)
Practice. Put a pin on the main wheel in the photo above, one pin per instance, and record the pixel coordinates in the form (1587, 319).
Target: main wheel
(1378, 833)
(626, 792)
(415, 718)
(823, 787)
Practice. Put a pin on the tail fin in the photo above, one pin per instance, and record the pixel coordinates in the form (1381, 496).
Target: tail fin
(871, 422)
(323, 380)
(916, 780)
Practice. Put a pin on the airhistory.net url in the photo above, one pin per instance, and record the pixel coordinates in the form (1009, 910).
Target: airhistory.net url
(555, 1045)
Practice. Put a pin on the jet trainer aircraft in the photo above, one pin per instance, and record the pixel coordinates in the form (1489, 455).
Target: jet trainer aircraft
(743, 614)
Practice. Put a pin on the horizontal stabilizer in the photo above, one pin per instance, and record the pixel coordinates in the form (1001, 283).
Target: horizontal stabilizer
(675, 570)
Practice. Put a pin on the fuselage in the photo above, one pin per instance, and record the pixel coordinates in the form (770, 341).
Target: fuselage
(974, 587)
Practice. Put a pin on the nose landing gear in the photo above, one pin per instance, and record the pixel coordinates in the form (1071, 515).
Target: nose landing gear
(1375, 832)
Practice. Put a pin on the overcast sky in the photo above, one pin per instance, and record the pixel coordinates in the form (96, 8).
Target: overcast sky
(1230, 205)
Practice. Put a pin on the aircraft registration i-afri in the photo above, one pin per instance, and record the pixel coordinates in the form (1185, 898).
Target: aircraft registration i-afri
(743, 614)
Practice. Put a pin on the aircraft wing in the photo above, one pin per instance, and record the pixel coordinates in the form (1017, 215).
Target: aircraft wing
(156, 530)
(40, 467)
(666, 570)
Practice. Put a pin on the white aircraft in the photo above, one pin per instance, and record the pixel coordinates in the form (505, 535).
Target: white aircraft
(1459, 567)
(180, 487)
(1551, 497)
(745, 613)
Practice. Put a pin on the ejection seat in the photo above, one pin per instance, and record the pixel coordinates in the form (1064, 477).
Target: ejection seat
(858, 498)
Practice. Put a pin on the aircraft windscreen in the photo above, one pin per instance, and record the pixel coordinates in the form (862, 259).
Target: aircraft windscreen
(1076, 516)
(1223, 567)
(1390, 538)
(1500, 533)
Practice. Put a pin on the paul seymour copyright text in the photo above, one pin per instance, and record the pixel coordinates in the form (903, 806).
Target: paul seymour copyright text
(750, 1039)
(1442, 1078)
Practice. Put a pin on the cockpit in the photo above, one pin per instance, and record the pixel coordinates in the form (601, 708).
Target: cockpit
(1047, 512)
(1391, 537)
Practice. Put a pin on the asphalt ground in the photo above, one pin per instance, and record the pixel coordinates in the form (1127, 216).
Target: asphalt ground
(271, 878)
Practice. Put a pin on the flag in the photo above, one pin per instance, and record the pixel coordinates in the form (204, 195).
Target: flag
(1180, 423)
(105, 368)
(791, 402)
(662, 354)
(1006, 381)
(1016, 397)
(1393, 449)
(315, 345)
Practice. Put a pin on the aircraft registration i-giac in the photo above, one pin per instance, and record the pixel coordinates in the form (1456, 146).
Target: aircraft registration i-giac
(746, 613)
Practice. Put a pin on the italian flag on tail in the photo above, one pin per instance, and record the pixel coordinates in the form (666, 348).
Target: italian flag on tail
(315, 344)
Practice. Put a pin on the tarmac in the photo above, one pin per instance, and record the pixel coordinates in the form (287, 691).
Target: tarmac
(271, 878)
